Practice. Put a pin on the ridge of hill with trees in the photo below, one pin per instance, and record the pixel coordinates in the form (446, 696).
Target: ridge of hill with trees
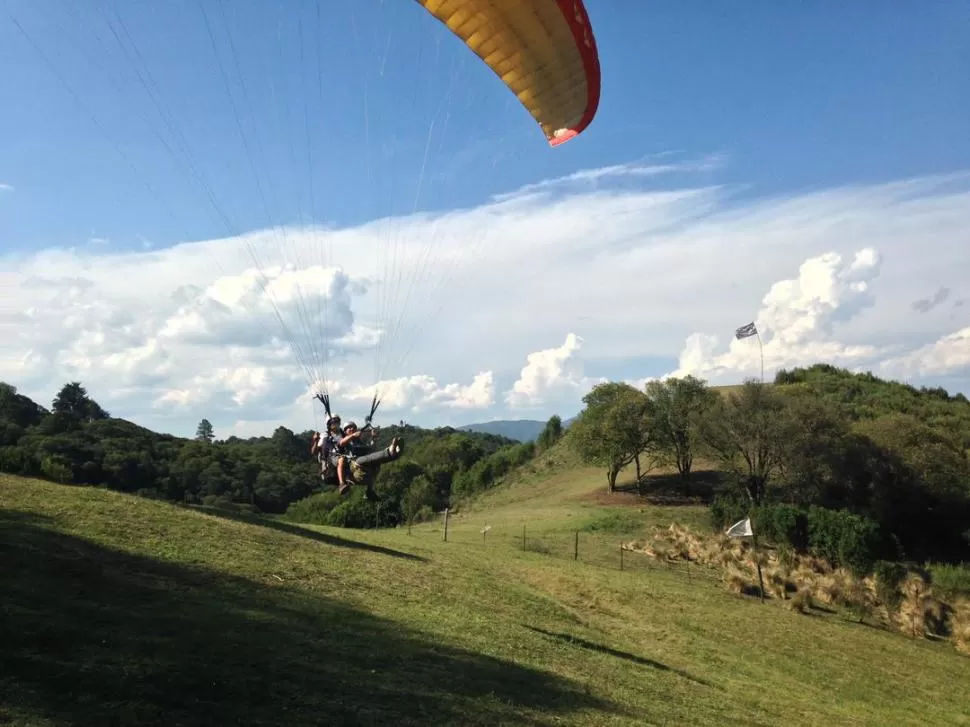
(848, 465)
(77, 442)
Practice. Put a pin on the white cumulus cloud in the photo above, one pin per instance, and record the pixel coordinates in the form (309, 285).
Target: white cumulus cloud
(550, 376)
(417, 393)
(947, 356)
(515, 307)
(797, 326)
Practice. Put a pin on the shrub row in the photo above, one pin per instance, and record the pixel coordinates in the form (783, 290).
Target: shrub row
(841, 537)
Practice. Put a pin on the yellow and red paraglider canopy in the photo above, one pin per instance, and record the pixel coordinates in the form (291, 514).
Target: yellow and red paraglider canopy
(543, 50)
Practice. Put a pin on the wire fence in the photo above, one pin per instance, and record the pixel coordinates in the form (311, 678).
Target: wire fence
(597, 549)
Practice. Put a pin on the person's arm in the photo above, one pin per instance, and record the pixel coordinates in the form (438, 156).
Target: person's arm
(345, 440)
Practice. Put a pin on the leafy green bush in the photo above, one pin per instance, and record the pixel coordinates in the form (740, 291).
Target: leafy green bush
(844, 539)
(727, 509)
(313, 510)
(353, 512)
(425, 514)
(486, 472)
(57, 468)
(783, 524)
(950, 580)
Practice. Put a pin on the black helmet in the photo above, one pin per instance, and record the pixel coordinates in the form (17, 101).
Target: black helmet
(331, 421)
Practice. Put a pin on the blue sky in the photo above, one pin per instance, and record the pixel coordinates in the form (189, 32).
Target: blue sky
(798, 95)
(378, 101)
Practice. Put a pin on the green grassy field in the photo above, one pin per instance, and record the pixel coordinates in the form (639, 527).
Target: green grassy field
(119, 610)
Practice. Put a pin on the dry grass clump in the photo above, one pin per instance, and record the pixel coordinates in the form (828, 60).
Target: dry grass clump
(920, 614)
(803, 600)
(736, 580)
(683, 544)
(834, 588)
(960, 625)
(776, 583)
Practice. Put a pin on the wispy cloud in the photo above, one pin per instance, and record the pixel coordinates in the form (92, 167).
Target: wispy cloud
(586, 179)
(925, 305)
(6, 187)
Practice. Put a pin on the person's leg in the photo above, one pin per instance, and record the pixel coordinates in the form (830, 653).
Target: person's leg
(357, 471)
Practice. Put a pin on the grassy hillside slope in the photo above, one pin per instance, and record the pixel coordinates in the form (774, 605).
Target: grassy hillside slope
(117, 609)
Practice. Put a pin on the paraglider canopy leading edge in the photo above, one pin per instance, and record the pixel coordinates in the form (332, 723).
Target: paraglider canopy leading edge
(543, 51)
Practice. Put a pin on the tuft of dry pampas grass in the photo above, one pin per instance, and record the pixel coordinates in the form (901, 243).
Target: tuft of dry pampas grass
(910, 617)
(960, 625)
(803, 600)
(737, 580)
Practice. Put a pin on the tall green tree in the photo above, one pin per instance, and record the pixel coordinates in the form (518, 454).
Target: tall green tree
(418, 499)
(204, 432)
(678, 405)
(550, 434)
(748, 434)
(820, 453)
(613, 431)
(73, 402)
(17, 409)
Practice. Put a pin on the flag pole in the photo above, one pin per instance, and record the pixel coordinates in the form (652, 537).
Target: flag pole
(751, 329)
(745, 528)
(761, 351)
(757, 562)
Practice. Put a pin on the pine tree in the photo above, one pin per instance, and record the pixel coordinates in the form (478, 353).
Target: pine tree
(204, 432)
(73, 401)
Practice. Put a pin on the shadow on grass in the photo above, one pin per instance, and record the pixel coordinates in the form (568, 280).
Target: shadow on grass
(302, 532)
(642, 660)
(672, 489)
(96, 636)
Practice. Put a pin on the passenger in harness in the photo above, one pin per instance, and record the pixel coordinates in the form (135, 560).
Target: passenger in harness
(340, 448)
(334, 450)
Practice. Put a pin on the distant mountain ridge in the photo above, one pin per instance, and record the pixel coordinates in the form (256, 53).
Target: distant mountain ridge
(521, 430)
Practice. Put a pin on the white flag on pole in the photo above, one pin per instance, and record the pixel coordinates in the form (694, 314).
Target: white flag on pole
(740, 529)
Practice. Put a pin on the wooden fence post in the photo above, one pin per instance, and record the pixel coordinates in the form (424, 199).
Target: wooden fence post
(621, 556)
(576, 547)
(446, 524)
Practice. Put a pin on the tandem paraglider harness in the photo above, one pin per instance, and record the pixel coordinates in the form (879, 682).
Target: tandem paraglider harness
(328, 451)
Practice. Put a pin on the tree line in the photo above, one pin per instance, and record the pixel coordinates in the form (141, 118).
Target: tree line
(847, 465)
(77, 442)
